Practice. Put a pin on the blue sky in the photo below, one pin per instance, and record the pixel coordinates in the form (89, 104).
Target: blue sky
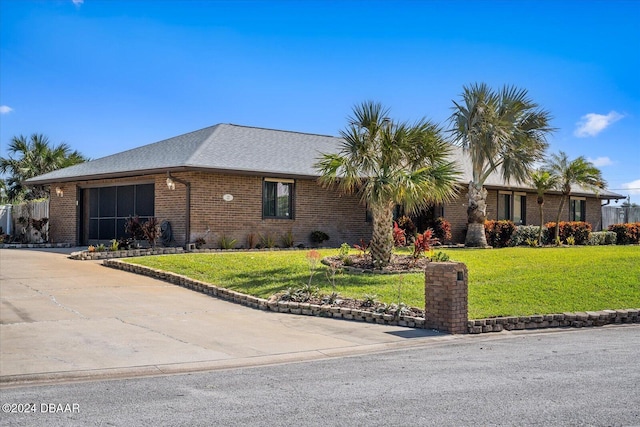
(105, 76)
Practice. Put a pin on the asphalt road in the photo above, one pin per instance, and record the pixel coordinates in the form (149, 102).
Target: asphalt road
(553, 378)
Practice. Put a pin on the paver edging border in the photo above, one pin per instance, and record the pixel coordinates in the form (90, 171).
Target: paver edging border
(494, 324)
(93, 256)
(34, 245)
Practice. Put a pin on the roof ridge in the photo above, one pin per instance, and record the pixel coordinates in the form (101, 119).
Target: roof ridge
(203, 143)
(280, 130)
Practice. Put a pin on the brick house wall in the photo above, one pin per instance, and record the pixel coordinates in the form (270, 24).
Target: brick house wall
(315, 208)
(343, 218)
(63, 214)
(456, 212)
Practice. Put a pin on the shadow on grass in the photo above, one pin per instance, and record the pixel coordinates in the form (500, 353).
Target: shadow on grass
(267, 283)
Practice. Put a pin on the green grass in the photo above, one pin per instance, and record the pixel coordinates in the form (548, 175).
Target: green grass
(502, 282)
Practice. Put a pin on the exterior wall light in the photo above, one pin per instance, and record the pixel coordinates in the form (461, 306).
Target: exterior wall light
(171, 185)
(59, 192)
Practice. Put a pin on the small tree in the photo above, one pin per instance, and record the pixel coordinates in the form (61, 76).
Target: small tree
(542, 181)
(389, 163)
(501, 131)
(32, 157)
(573, 172)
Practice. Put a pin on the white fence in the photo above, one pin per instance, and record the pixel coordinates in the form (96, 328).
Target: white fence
(619, 215)
(6, 225)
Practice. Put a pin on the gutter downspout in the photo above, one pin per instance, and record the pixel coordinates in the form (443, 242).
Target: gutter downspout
(187, 184)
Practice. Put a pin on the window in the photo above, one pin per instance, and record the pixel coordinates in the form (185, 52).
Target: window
(577, 209)
(504, 206)
(512, 206)
(277, 198)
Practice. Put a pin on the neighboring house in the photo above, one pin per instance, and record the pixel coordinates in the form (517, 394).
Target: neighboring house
(244, 182)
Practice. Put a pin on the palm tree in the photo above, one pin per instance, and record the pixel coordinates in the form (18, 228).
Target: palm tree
(543, 181)
(389, 163)
(503, 131)
(32, 157)
(575, 172)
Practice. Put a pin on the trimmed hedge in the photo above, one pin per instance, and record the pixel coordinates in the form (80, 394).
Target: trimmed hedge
(602, 238)
(498, 233)
(628, 233)
(524, 233)
(579, 230)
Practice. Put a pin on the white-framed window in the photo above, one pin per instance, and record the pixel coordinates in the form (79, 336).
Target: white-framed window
(512, 206)
(577, 209)
(277, 198)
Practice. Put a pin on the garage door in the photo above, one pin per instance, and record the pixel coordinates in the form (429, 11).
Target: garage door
(109, 208)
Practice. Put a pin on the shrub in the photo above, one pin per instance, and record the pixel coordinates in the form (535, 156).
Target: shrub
(200, 242)
(251, 240)
(423, 243)
(267, 240)
(133, 227)
(523, 233)
(602, 238)
(407, 225)
(579, 230)
(498, 233)
(363, 247)
(399, 236)
(628, 233)
(151, 230)
(440, 257)
(441, 229)
(318, 237)
(226, 243)
(343, 252)
(287, 239)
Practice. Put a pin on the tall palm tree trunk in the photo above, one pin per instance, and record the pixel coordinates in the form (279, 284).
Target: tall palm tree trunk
(382, 239)
(476, 216)
(540, 205)
(557, 234)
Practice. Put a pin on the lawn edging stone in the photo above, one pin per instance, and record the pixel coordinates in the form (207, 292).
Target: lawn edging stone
(476, 326)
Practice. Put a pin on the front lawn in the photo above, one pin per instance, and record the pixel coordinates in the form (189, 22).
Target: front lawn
(502, 282)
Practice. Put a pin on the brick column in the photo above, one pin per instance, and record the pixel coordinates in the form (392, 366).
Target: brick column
(446, 285)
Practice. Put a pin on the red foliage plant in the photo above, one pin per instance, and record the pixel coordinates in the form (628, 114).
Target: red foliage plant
(423, 243)
(579, 230)
(399, 235)
(363, 247)
(498, 233)
(628, 233)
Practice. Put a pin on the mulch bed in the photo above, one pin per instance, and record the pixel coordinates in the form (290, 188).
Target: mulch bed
(398, 264)
(363, 263)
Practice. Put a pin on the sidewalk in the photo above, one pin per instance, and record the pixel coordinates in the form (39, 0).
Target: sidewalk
(64, 320)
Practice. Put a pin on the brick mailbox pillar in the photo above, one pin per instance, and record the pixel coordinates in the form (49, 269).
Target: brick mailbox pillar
(446, 286)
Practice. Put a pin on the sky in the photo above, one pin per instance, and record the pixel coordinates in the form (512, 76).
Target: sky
(107, 76)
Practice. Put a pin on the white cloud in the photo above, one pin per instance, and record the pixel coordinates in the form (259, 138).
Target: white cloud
(4, 109)
(601, 161)
(77, 2)
(592, 124)
(632, 187)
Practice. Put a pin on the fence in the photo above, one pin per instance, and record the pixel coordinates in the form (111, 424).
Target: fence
(618, 215)
(6, 224)
(11, 216)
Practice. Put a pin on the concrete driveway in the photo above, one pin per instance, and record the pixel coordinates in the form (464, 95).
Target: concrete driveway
(69, 320)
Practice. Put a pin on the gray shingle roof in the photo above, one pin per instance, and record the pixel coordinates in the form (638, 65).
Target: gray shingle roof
(224, 147)
(233, 148)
